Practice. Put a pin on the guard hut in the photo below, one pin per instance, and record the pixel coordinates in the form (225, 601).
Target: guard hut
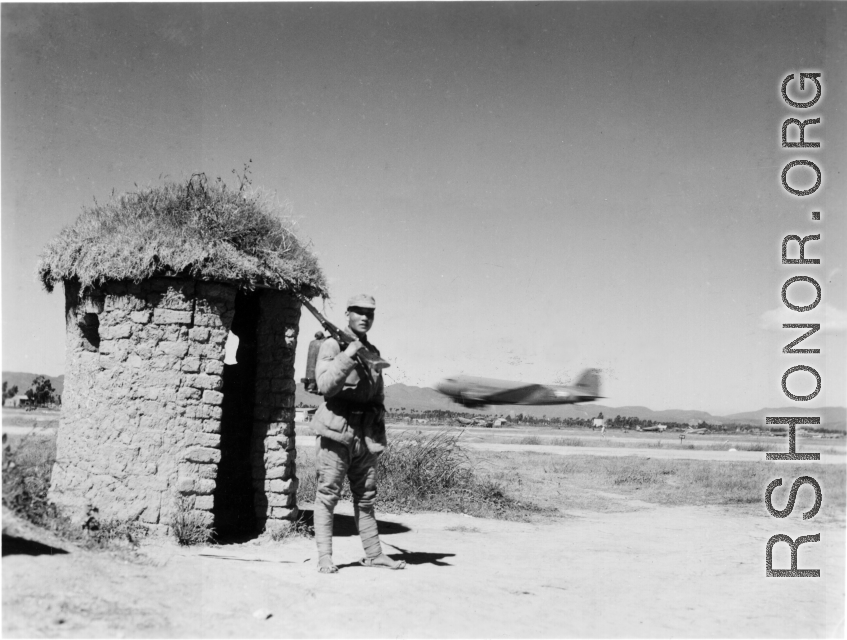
(155, 421)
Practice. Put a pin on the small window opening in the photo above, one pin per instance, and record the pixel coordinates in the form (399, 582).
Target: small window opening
(90, 327)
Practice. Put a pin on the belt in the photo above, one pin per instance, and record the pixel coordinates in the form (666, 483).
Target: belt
(351, 406)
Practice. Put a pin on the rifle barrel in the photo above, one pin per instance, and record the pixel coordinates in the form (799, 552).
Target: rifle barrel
(377, 362)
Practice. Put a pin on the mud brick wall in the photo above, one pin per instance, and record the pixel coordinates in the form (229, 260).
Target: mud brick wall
(141, 414)
(273, 450)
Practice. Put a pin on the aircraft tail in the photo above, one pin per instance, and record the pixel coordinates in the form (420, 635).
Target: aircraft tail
(589, 382)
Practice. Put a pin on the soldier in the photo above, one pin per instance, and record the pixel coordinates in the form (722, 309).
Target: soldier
(350, 428)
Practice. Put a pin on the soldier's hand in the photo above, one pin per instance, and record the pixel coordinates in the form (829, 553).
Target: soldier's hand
(353, 348)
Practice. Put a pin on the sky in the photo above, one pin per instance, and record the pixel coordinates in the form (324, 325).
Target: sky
(527, 190)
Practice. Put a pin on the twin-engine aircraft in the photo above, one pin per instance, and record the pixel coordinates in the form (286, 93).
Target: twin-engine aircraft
(472, 391)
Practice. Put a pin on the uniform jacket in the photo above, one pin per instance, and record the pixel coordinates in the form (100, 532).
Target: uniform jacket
(354, 398)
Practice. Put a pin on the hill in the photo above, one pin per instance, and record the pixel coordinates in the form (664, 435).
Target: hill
(23, 381)
(398, 396)
(829, 415)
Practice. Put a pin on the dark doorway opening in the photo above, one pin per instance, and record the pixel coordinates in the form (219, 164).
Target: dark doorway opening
(234, 514)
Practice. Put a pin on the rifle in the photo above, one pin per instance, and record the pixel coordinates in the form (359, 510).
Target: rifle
(367, 358)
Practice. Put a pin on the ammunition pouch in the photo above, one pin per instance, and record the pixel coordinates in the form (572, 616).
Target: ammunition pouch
(341, 419)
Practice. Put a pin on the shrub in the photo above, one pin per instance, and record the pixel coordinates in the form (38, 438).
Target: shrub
(307, 477)
(756, 446)
(568, 442)
(111, 533)
(26, 478)
(427, 473)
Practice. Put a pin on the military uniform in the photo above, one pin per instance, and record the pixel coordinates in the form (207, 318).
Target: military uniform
(350, 428)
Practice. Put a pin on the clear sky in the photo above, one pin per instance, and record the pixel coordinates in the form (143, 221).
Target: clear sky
(526, 189)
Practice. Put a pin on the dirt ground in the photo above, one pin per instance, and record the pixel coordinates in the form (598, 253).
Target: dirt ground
(655, 572)
(630, 569)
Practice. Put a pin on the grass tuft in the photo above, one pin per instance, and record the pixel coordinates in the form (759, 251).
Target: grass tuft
(568, 442)
(188, 527)
(297, 529)
(463, 529)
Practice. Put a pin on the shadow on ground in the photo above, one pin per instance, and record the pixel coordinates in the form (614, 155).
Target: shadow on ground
(21, 546)
(345, 526)
(412, 557)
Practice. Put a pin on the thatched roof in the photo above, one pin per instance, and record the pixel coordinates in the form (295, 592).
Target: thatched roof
(197, 228)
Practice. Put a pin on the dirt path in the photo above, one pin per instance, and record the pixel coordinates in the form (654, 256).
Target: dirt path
(16, 430)
(655, 572)
(655, 452)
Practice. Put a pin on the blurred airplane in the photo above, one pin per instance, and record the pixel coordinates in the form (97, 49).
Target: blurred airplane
(475, 422)
(696, 432)
(655, 427)
(472, 391)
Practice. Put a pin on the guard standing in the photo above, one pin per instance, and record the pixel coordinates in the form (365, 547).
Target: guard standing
(350, 428)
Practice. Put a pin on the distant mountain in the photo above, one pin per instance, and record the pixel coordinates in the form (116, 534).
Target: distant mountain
(398, 396)
(829, 415)
(23, 381)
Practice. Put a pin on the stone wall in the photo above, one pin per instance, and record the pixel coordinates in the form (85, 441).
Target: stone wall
(274, 452)
(141, 411)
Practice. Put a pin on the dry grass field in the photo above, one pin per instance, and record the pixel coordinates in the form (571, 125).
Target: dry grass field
(520, 543)
(37, 419)
(610, 484)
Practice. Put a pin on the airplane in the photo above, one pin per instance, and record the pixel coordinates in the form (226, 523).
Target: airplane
(696, 432)
(472, 391)
(655, 427)
(475, 422)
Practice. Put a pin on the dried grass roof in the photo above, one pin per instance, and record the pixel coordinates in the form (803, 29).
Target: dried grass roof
(197, 228)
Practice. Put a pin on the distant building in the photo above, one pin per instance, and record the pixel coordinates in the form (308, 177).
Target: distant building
(304, 414)
(599, 423)
(19, 401)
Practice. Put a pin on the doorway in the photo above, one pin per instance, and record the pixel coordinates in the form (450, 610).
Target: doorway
(233, 511)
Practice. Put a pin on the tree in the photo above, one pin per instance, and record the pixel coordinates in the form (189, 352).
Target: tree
(42, 390)
(9, 392)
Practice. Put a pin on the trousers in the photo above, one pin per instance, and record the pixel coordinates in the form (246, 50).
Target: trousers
(334, 461)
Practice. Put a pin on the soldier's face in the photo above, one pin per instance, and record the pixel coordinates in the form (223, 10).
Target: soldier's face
(360, 320)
